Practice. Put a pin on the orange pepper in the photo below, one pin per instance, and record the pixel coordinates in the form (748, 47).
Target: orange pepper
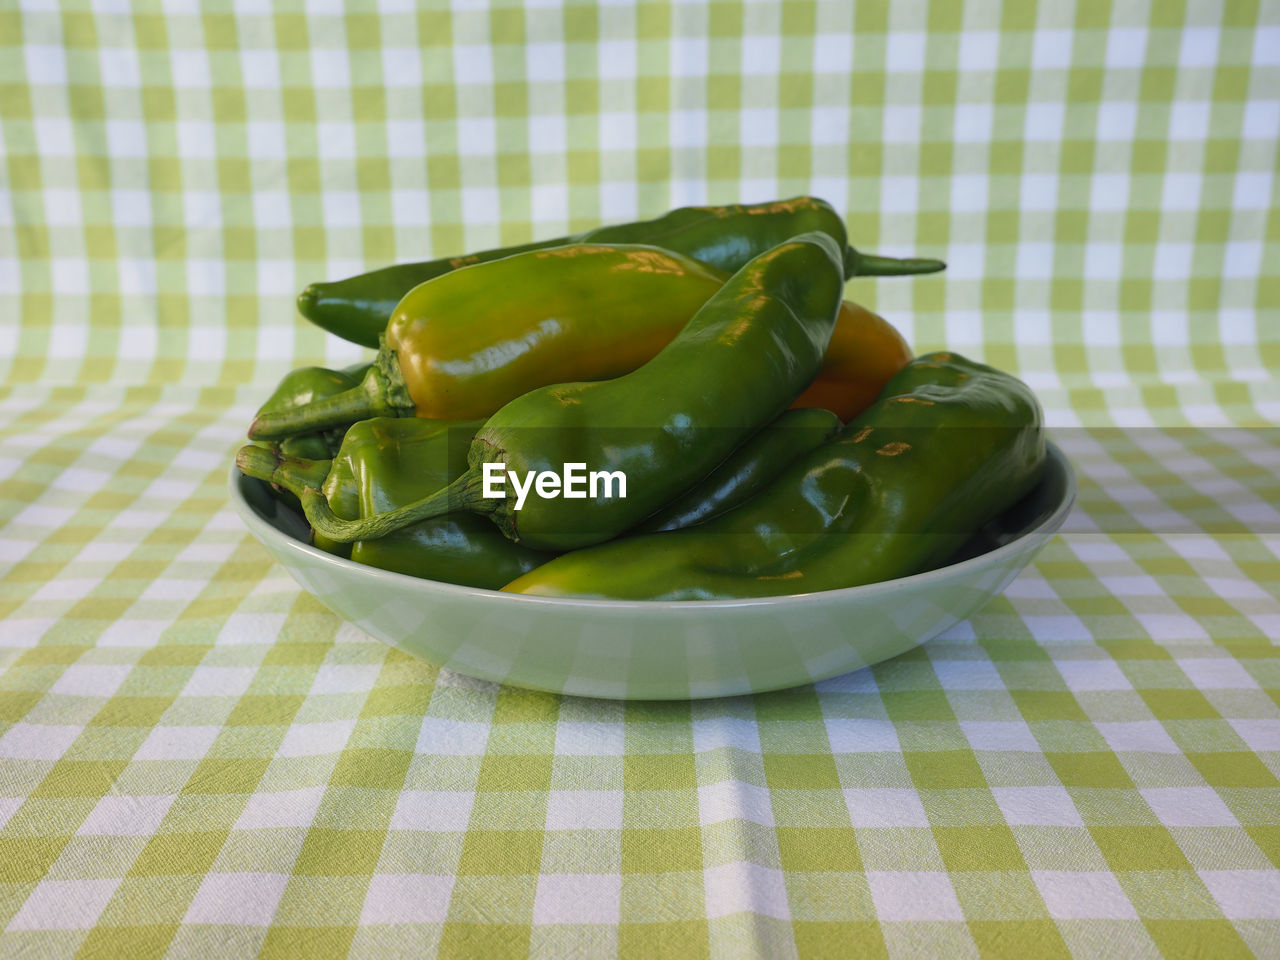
(865, 351)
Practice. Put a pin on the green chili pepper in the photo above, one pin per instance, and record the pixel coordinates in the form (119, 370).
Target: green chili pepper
(298, 388)
(384, 464)
(358, 308)
(735, 366)
(304, 386)
(748, 469)
(463, 345)
(948, 446)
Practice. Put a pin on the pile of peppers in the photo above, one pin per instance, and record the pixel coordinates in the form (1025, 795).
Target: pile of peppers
(773, 437)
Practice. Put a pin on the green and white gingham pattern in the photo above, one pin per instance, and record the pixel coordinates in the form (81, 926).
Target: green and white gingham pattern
(197, 759)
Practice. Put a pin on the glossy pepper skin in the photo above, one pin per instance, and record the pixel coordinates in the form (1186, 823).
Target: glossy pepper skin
(550, 316)
(446, 363)
(383, 464)
(735, 366)
(726, 237)
(748, 469)
(464, 344)
(948, 446)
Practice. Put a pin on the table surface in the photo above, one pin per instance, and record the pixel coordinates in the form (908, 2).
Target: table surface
(198, 759)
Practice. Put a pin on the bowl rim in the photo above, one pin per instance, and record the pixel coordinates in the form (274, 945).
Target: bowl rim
(264, 531)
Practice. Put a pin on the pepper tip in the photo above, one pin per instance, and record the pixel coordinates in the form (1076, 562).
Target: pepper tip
(307, 300)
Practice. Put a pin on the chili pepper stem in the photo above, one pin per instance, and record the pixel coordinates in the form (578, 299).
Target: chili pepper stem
(462, 494)
(294, 474)
(258, 462)
(859, 264)
(382, 393)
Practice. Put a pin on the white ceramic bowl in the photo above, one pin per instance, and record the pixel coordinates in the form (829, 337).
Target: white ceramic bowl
(655, 649)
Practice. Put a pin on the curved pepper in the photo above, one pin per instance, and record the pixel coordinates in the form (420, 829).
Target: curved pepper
(735, 366)
(358, 308)
(948, 446)
(384, 464)
(461, 346)
(748, 469)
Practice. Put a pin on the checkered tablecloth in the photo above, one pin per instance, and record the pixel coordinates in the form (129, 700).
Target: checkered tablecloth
(197, 759)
